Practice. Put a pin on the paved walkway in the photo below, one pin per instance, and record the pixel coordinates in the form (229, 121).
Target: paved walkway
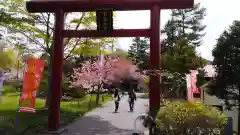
(102, 121)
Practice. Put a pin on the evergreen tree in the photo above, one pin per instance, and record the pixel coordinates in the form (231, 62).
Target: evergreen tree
(189, 23)
(170, 31)
(226, 84)
(186, 24)
(176, 65)
(227, 62)
(132, 52)
(138, 52)
(184, 32)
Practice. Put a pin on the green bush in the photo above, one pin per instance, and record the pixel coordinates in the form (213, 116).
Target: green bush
(43, 88)
(76, 92)
(65, 85)
(12, 86)
(184, 117)
(8, 89)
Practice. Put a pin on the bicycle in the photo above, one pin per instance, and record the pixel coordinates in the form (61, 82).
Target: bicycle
(148, 122)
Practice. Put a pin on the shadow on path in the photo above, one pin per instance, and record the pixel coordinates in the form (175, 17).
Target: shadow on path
(102, 121)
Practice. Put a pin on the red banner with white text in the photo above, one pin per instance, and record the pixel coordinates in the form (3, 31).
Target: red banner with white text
(31, 81)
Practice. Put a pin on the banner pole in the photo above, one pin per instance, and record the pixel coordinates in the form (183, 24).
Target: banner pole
(17, 114)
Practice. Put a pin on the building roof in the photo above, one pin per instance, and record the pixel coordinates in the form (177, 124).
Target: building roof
(210, 70)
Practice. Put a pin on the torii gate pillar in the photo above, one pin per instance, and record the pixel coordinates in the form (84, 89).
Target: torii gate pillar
(56, 77)
(155, 49)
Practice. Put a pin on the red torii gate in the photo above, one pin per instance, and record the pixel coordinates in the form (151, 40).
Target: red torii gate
(59, 7)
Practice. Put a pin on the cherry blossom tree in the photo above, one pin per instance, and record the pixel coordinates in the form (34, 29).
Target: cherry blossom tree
(106, 70)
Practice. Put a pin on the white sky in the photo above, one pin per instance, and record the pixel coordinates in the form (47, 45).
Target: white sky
(220, 14)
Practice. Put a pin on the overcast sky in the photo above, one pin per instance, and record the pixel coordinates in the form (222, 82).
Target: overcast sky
(220, 14)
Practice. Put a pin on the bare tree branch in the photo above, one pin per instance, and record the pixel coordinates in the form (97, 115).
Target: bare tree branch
(77, 42)
(78, 25)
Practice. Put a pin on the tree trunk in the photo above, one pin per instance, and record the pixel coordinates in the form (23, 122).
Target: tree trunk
(102, 97)
(48, 42)
(97, 97)
(48, 98)
(90, 101)
(98, 93)
(239, 114)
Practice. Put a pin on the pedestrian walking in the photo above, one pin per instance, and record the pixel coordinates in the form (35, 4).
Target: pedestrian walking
(117, 99)
(131, 99)
(123, 93)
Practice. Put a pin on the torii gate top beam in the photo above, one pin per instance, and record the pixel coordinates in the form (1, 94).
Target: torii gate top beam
(35, 6)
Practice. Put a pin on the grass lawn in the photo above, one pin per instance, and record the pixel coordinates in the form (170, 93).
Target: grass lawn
(29, 124)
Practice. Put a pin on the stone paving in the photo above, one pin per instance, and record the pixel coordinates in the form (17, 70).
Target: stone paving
(102, 121)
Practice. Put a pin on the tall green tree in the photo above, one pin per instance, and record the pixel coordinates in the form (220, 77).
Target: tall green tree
(183, 59)
(189, 24)
(185, 24)
(176, 65)
(169, 30)
(226, 59)
(226, 84)
(184, 32)
(139, 52)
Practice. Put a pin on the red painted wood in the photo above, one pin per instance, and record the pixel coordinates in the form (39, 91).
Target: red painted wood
(56, 76)
(114, 33)
(92, 5)
(155, 49)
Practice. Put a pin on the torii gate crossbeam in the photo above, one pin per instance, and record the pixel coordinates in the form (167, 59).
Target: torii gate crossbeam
(59, 7)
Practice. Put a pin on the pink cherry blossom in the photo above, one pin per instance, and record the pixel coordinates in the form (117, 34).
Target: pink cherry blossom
(108, 70)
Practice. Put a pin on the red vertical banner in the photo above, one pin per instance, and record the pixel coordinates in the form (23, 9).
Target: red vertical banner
(194, 73)
(192, 84)
(189, 88)
(32, 78)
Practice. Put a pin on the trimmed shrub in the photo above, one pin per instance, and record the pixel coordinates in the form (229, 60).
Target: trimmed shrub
(182, 117)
